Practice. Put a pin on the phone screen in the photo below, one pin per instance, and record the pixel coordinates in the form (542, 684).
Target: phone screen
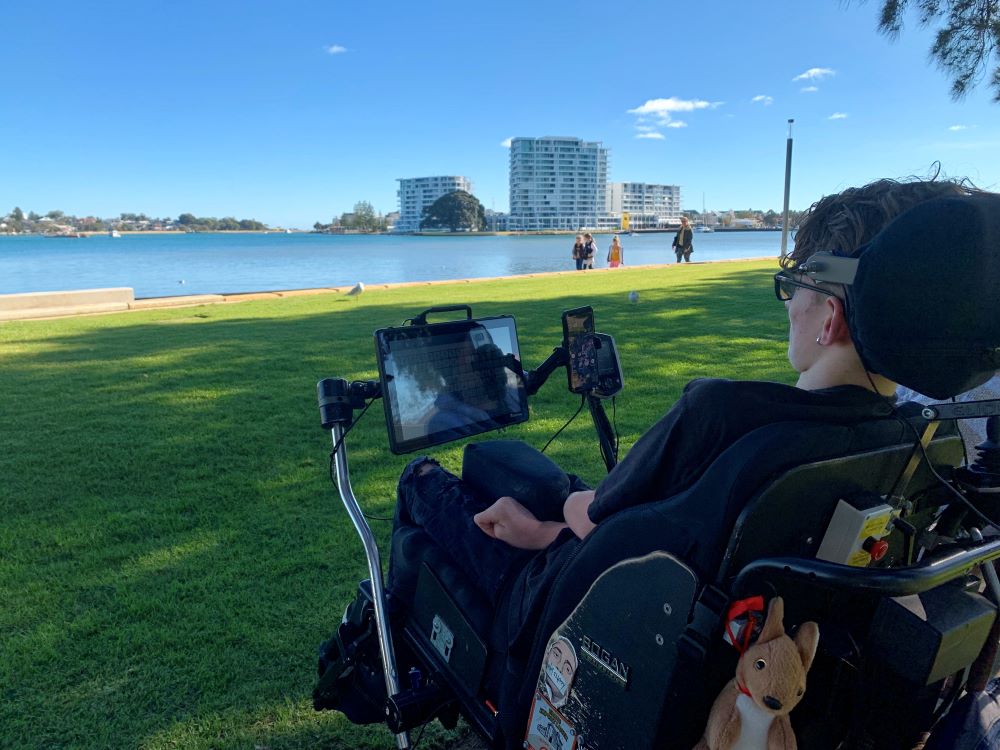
(581, 345)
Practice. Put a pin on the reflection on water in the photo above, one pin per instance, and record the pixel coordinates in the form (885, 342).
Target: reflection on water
(157, 265)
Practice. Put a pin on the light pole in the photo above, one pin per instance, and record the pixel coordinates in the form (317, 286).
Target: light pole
(788, 186)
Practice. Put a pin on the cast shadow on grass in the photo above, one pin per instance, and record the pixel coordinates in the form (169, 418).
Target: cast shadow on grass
(186, 555)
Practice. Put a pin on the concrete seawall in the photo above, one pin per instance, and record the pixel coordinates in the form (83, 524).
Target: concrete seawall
(33, 305)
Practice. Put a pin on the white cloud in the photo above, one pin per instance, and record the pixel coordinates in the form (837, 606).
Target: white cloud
(815, 74)
(506, 142)
(837, 116)
(809, 89)
(336, 49)
(660, 112)
(956, 128)
(661, 109)
(764, 99)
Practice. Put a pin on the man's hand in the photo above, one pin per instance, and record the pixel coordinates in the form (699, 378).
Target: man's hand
(510, 522)
(575, 512)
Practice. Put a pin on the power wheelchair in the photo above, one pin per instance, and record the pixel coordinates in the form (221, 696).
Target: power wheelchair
(874, 530)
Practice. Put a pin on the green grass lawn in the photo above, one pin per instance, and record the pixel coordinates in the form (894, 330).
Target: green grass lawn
(172, 550)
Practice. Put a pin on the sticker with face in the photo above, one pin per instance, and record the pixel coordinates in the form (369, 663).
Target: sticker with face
(558, 671)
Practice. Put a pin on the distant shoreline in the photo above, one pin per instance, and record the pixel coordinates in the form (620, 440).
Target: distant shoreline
(164, 232)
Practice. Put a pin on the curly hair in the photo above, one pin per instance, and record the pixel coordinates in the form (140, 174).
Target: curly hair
(846, 221)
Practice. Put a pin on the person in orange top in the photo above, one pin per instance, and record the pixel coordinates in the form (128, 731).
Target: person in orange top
(616, 254)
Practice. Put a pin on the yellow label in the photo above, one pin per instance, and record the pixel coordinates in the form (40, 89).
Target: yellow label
(875, 526)
(859, 559)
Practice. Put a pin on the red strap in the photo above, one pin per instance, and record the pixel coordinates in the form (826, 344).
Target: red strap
(748, 607)
(743, 689)
(742, 606)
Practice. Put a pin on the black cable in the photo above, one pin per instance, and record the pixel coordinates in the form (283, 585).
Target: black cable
(333, 457)
(614, 423)
(583, 400)
(423, 726)
(923, 452)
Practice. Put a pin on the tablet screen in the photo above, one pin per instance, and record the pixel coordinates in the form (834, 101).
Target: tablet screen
(446, 381)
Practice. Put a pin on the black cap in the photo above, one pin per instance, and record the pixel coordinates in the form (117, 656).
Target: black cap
(924, 308)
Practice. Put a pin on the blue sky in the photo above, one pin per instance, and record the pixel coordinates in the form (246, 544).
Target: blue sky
(291, 112)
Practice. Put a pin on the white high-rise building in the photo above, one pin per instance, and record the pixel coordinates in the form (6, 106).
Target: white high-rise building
(648, 206)
(557, 183)
(416, 193)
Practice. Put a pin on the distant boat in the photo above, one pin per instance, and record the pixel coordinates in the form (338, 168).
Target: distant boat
(114, 233)
(703, 228)
(288, 231)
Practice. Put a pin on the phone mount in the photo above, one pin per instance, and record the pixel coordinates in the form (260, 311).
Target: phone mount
(535, 379)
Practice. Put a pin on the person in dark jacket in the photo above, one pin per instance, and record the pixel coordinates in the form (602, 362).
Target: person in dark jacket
(513, 557)
(589, 249)
(684, 241)
(578, 252)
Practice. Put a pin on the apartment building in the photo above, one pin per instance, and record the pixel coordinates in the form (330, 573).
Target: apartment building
(416, 193)
(648, 206)
(557, 183)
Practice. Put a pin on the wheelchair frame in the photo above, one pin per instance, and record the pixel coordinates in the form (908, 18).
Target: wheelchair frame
(408, 707)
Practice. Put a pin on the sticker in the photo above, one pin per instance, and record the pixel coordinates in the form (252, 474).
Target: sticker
(547, 728)
(558, 671)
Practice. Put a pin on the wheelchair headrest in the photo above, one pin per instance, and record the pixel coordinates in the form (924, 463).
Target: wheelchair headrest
(924, 307)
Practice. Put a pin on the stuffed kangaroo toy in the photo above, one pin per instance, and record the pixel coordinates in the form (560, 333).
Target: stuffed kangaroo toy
(751, 712)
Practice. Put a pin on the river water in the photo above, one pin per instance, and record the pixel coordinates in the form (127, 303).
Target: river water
(163, 265)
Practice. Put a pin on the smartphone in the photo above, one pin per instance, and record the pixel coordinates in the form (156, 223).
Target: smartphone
(581, 346)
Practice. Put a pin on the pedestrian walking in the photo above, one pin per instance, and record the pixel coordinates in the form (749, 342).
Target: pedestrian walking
(578, 252)
(683, 242)
(589, 250)
(616, 255)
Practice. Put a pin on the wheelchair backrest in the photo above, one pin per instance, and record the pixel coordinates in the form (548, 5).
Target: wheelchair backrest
(789, 516)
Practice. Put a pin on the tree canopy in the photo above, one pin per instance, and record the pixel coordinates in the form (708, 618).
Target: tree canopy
(964, 46)
(455, 211)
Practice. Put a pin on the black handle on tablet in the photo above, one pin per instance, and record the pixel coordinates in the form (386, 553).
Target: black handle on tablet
(421, 319)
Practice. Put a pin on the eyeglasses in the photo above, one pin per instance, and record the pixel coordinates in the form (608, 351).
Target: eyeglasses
(785, 286)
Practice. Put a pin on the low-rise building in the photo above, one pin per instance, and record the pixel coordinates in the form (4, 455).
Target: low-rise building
(417, 193)
(648, 206)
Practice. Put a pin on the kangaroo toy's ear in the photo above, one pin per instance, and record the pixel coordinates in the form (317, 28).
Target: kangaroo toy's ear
(806, 641)
(774, 626)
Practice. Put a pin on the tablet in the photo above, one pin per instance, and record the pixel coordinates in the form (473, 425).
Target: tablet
(447, 381)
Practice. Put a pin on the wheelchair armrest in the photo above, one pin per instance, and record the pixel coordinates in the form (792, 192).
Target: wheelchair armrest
(914, 579)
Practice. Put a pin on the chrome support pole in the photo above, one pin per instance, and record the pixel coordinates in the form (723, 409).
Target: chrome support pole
(374, 571)
(989, 572)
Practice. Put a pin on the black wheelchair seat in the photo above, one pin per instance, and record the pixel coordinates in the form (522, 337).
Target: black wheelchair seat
(764, 493)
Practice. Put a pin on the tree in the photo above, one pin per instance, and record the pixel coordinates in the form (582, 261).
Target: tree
(965, 44)
(364, 217)
(17, 214)
(187, 219)
(455, 211)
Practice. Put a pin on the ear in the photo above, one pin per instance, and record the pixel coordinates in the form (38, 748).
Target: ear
(835, 328)
(806, 641)
(773, 625)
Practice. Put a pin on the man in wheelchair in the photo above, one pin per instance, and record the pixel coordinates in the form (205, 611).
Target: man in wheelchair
(668, 540)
